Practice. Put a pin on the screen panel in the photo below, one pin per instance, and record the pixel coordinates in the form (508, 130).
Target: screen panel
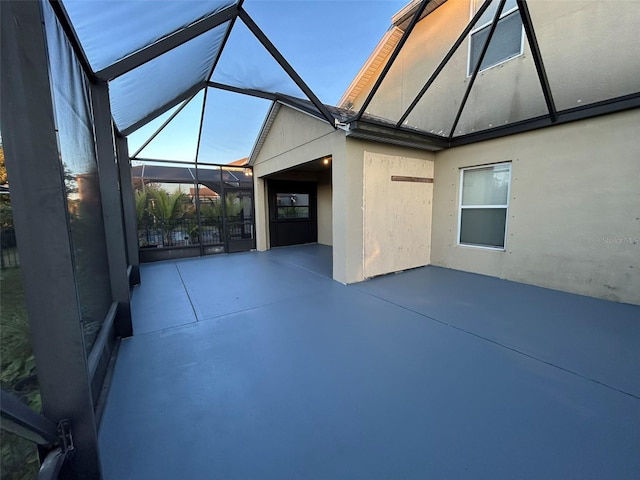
(110, 31)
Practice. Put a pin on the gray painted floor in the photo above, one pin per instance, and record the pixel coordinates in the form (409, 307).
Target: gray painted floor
(258, 366)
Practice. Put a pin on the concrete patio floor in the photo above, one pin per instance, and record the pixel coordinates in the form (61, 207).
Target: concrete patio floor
(259, 366)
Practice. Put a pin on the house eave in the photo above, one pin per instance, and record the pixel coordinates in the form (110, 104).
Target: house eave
(402, 18)
(379, 132)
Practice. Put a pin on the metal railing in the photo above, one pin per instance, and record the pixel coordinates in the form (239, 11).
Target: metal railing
(187, 232)
(181, 233)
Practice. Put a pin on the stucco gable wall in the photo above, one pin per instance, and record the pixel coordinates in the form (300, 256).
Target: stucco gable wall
(427, 45)
(290, 129)
(584, 61)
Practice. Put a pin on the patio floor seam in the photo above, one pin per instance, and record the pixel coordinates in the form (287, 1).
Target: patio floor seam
(161, 330)
(306, 269)
(513, 349)
(235, 312)
(186, 291)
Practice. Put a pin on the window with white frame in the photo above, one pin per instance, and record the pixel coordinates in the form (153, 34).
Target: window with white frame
(484, 202)
(507, 40)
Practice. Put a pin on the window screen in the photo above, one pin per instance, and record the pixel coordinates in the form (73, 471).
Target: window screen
(506, 42)
(484, 200)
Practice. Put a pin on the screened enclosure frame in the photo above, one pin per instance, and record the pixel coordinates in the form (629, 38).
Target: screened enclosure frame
(180, 37)
(362, 123)
(73, 374)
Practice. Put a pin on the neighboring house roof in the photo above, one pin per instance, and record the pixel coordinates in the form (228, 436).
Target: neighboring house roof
(205, 192)
(384, 49)
(240, 162)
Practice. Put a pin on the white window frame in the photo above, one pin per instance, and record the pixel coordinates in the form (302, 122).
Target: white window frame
(478, 28)
(506, 206)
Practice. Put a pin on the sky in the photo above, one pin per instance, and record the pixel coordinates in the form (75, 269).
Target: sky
(326, 42)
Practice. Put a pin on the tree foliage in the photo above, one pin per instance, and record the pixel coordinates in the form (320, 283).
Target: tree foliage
(3, 169)
(213, 210)
(163, 210)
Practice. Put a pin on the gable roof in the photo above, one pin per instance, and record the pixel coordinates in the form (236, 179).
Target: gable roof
(368, 127)
(366, 74)
(384, 49)
(240, 162)
(404, 16)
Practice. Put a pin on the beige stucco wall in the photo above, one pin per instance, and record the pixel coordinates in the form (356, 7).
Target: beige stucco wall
(574, 213)
(296, 138)
(325, 209)
(397, 214)
(584, 61)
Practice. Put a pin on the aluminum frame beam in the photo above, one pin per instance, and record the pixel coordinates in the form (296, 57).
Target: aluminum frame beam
(161, 127)
(244, 91)
(41, 218)
(72, 36)
(224, 40)
(537, 58)
(614, 105)
(443, 63)
(128, 210)
(392, 59)
(476, 70)
(266, 43)
(18, 418)
(167, 43)
(111, 207)
(191, 92)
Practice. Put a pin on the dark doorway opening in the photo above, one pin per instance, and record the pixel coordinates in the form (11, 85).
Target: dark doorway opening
(293, 213)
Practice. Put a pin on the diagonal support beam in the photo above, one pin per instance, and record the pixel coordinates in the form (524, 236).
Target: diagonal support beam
(18, 418)
(485, 47)
(606, 107)
(445, 60)
(244, 91)
(180, 98)
(537, 58)
(392, 59)
(227, 34)
(167, 43)
(161, 127)
(67, 26)
(266, 43)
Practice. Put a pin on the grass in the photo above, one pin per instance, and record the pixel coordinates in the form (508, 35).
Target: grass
(11, 292)
(19, 459)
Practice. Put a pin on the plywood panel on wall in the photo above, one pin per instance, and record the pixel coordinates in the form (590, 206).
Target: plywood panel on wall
(397, 214)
